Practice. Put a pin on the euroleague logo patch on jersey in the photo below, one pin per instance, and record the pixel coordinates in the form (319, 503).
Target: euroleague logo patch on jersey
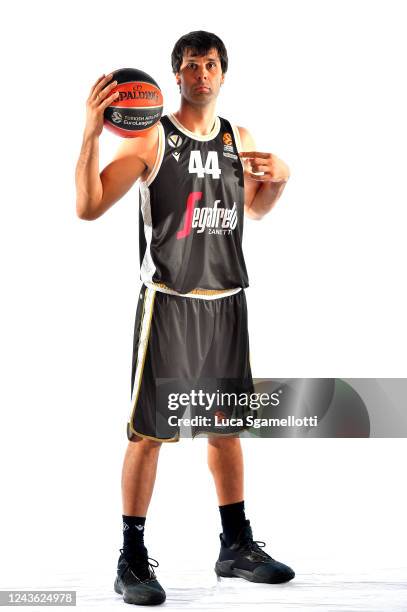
(228, 150)
(175, 141)
(227, 138)
(212, 219)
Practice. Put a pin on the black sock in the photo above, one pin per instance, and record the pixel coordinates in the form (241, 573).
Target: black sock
(133, 534)
(233, 519)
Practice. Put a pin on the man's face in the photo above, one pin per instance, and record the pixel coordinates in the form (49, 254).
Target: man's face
(200, 77)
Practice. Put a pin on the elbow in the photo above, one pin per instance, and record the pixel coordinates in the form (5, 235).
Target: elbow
(84, 212)
(251, 214)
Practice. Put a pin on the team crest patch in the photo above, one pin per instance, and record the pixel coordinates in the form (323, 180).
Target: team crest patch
(174, 140)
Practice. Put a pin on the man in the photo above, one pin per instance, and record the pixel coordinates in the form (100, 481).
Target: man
(191, 320)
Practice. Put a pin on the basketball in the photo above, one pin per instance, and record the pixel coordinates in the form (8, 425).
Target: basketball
(139, 105)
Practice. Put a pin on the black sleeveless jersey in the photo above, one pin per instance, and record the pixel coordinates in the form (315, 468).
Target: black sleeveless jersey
(192, 208)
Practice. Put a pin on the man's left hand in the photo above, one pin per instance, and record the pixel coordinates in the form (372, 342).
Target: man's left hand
(274, 169)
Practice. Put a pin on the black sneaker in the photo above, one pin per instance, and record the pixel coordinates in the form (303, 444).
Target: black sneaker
(246, 559)
(136, 579)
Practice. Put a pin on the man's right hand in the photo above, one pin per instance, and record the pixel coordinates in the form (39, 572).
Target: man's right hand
(99, 99)
(96, 193)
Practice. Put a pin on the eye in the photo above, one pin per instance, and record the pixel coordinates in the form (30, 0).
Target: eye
(212, 64)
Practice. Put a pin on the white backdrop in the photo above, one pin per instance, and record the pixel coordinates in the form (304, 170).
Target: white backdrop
(321, 85)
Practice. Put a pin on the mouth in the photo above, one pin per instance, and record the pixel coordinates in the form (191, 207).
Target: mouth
(202, 89)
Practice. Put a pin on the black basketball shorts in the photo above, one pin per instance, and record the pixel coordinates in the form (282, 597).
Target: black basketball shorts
(191, 369)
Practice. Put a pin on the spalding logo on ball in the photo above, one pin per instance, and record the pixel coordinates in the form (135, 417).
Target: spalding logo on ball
(139, 105)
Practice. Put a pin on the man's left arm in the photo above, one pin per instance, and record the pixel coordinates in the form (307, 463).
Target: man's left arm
(261, 190)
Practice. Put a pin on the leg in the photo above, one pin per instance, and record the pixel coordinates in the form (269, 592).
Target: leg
(138, 475)
(240, 555)
(136, 579)
(225, 461)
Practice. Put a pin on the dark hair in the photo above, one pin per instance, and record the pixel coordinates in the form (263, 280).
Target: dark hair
(199, 42)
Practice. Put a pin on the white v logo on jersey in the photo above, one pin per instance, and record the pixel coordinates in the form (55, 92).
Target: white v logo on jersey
(174, 140)
(211, 165)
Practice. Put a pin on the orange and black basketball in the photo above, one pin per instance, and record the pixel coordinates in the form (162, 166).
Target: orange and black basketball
(139, 105)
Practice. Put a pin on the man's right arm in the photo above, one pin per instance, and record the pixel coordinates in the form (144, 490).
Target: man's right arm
(95, 193)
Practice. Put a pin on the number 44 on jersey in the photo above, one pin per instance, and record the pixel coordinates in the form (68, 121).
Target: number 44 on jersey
(211, 164)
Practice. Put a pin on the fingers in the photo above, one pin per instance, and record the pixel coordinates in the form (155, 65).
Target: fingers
(257, 161)
(98, 81)
(273, 169)
(103, 83)
(105, 97)
(107, 101)
(258, 177)
(256, 167)
(254, 154)
(267, 177)
(92, 89)
(95, 92)
(106, 93)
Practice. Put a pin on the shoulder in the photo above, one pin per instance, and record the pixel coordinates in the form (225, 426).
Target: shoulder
(143, 147)
(246, 138)
(142, 142)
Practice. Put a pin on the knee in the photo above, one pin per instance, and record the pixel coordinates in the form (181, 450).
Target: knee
(223, 441)
(138, 443)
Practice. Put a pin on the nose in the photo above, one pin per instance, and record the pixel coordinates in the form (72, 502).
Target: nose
(202, 73)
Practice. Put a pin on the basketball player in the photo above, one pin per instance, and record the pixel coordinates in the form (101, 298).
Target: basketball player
(198, 175)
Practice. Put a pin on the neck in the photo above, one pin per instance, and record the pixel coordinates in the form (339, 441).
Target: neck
(197, 119)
